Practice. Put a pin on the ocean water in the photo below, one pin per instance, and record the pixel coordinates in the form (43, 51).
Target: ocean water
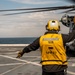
(25, 40)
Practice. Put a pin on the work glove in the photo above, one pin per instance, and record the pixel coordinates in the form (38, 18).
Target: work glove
(20, 54)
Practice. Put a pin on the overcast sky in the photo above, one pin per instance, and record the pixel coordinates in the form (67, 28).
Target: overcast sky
(30, 24)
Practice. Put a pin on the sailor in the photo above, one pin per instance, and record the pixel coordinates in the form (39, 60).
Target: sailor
(52, 48)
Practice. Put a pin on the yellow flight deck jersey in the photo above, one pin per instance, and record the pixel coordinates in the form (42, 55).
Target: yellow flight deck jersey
(52, 50)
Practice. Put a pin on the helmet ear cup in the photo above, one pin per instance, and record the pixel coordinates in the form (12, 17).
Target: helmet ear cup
(59, 28)
(46, 27)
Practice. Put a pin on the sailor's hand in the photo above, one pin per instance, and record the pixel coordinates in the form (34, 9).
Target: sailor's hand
(20, 54)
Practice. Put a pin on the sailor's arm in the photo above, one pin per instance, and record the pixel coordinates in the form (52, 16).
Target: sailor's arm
(31, 47)
(68, 37)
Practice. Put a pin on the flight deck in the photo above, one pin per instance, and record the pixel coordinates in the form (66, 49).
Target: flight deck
(29, 64)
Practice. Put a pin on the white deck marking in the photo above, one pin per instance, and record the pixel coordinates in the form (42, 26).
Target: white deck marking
(29, 62)
(72, 73)
(10, 64)
(71, 59)
(73, 64)
(32, 56)
(11, 69)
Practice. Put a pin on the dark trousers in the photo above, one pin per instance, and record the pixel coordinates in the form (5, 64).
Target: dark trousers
(54, 73)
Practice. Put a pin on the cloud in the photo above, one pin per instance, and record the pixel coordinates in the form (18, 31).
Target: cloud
(25, 25)
(30, 24)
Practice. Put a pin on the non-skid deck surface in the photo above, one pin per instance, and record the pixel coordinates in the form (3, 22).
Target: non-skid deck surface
(29, 64)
